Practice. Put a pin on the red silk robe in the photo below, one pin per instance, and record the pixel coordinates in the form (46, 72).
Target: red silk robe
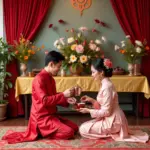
(43, 118)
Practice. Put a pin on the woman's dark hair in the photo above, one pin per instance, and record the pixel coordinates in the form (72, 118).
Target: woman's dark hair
(98, 64)
(54, 56)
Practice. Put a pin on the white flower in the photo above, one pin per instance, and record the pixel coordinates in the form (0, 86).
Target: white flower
(117, 47)
(103, 38)
(138, 43)
(98, 41)
(123, 44)
(59, 47)
(79, 35)
(132, 55)
(62, 41)
(73, 58)
(70, 40)
(127, 36)
(83, 59)
(138, 50)
(56, 43)
(83, 29)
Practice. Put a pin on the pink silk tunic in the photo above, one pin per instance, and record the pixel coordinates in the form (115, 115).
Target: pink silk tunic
(109, 120)
(43, 118)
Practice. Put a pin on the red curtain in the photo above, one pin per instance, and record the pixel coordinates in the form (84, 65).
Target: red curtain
(21, 16)
(133, 16)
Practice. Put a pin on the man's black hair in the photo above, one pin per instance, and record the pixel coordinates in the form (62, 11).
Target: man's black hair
(53, 56)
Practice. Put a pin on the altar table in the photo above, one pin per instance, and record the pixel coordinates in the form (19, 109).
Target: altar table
(123, 83)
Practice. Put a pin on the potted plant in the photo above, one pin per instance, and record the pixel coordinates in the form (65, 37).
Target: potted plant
(5, 57)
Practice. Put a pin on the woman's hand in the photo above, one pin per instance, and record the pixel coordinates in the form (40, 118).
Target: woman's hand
(84, 110)
(86, 98)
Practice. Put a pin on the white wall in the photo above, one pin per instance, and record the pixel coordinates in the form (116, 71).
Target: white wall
(1, 19)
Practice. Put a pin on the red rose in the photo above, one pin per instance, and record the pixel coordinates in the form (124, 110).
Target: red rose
(67, 30)
(97, 21)
(103, 24)
(61, 21)
(84, 43)
(76, 41)
(50, 25)
(93, 30)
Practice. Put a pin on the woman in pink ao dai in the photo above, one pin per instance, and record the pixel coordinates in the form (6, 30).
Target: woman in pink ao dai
(108, 119)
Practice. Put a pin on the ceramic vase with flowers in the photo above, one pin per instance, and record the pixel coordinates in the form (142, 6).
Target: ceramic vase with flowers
(133, 52)
(23, 68)
(78, 49)
(24, 50)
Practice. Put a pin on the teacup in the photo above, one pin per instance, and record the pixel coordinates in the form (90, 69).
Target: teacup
(77, 91)
(80, 105)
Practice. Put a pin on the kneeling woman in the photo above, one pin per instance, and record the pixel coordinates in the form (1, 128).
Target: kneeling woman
(108, 119)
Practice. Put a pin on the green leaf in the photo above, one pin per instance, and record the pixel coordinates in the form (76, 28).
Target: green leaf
(8, 74)
(9, 84)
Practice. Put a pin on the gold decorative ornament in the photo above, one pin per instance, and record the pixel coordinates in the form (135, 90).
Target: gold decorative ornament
(81, 4)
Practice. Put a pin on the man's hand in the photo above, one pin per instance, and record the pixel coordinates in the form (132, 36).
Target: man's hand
(69, 92)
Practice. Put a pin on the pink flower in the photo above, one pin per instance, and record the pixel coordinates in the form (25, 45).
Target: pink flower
(50, 25)
(92, 46)
(83, 29)
(91, 41)
(46, 52)
(98, 49)
(79, 48)
(72, 30)
(94, 30)
(107, 63)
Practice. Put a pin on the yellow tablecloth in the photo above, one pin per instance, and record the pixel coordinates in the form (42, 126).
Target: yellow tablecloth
(122, 83)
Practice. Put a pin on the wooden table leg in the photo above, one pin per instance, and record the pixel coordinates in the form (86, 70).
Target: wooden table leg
(135, 104)
(26, 107)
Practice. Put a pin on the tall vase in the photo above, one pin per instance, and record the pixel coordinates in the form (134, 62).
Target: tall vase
(137, 69)
(23, 68)
(130, 69)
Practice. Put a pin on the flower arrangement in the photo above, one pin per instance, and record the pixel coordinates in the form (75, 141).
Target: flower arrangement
(25, 50)
(78, 48)
(132, 51)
